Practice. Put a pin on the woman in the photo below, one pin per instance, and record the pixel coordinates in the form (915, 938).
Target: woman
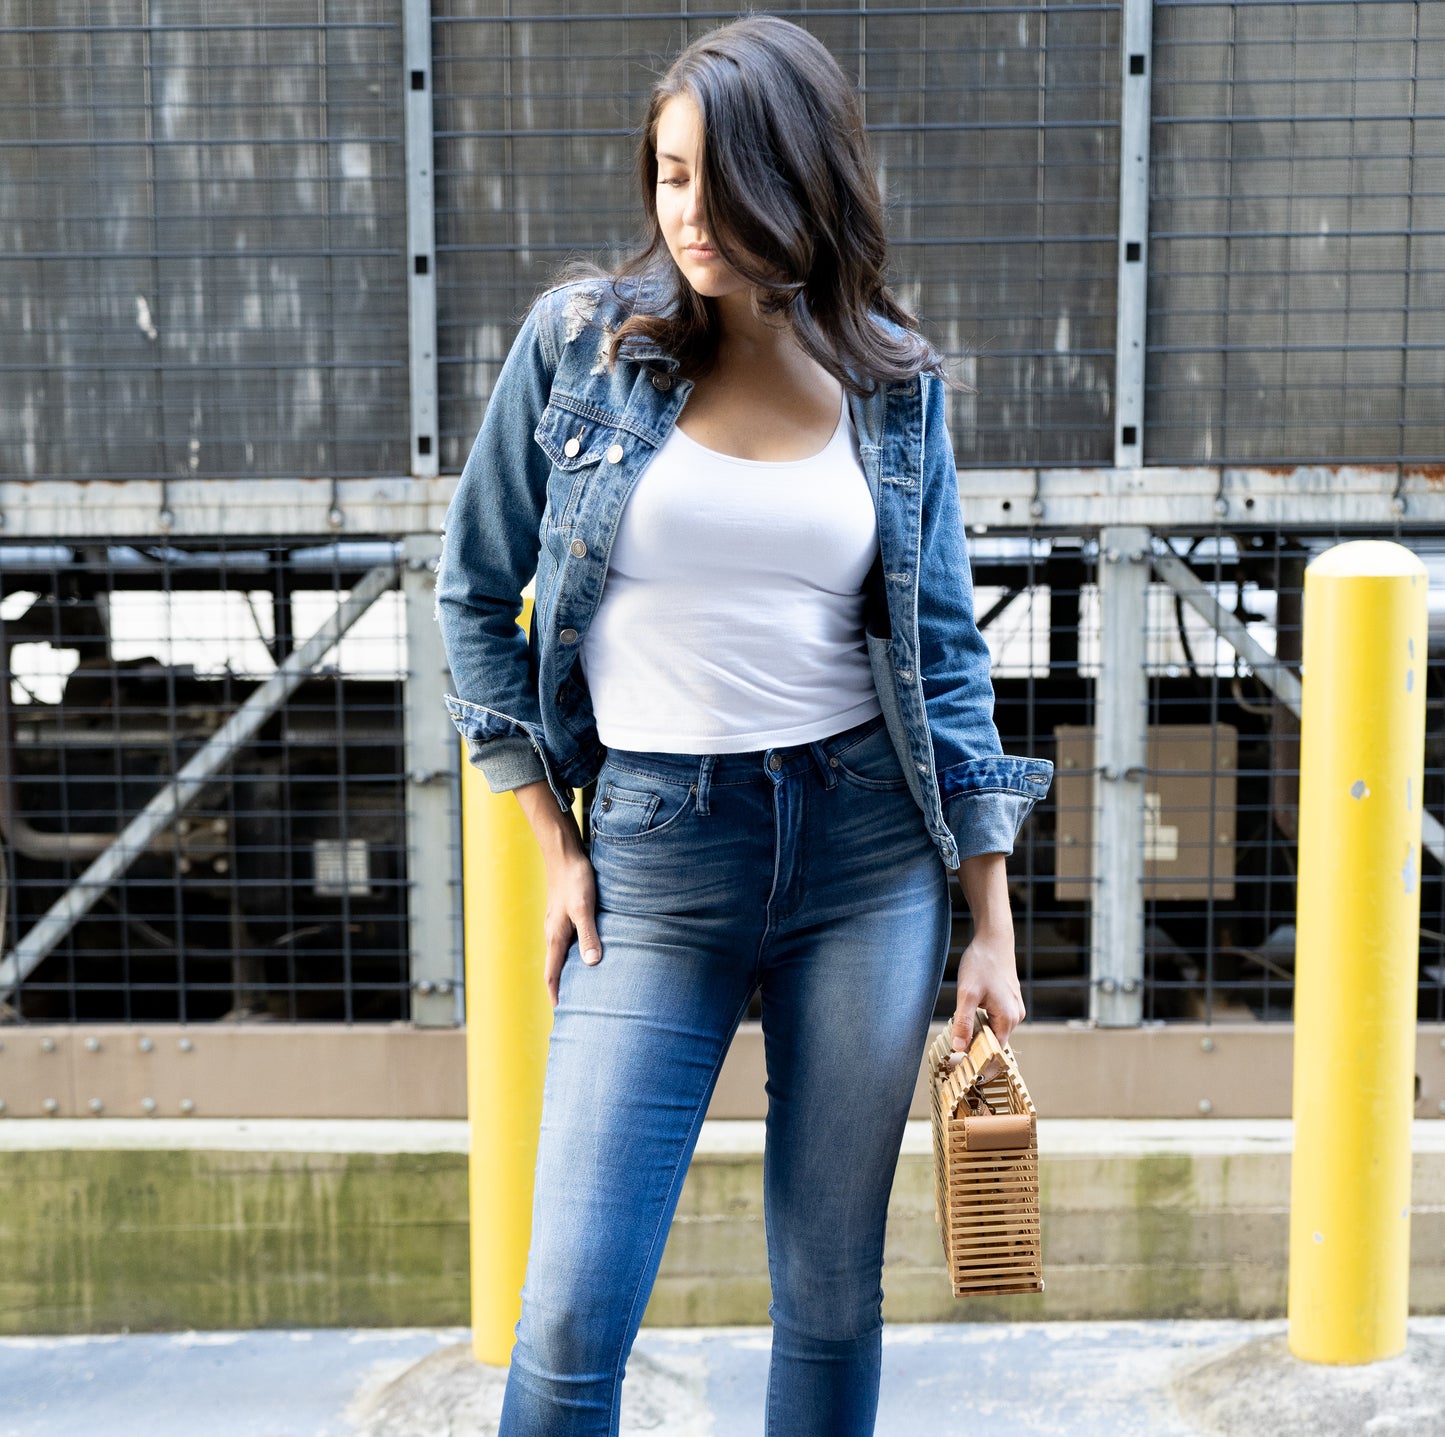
(754, 630)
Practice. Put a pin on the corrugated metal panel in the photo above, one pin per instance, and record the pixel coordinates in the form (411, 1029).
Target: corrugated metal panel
(204, 237)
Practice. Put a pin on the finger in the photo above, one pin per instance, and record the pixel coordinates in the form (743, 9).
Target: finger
(557, 946)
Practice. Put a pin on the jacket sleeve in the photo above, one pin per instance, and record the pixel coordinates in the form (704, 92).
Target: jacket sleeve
(489, 553)
(986, 794)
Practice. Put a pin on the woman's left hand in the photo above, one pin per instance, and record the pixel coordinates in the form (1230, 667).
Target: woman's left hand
(987, 973)
(988, 979)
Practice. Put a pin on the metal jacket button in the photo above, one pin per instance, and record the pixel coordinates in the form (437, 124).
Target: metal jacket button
(568, 636)
(614, 454)
(579, 549)
(572, 448)
(662, 382)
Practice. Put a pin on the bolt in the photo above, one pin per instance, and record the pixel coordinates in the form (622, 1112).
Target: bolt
(1205, 1106)
(185, 1045)
(187, 1106)
(221, 865)
(165, 520)
(1398, 503)
(1136, 556)
(96, 1106)
(218, 825)
(1221, 506)
(334, 517)
(47, 1045)
(148, 1105)
(1207, 1044)
(1036, 508)
(1107, 985)
(183, 865)
(92, 1045)
(425, 985)
(1111, 556)
(146, 1045)
(51, 1106)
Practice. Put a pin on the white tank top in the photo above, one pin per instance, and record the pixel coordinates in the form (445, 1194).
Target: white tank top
(732, 614)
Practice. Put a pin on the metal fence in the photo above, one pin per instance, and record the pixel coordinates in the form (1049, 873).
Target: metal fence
(263, 265)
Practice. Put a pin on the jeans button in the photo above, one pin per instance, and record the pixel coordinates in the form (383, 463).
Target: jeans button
(775, 763)
(568, 636)
(579, 549)
(662, 382)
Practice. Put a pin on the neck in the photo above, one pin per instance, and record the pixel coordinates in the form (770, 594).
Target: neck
(744, 333)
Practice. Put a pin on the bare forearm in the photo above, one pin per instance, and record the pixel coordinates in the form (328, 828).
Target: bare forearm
(554, 827)
(984, 881)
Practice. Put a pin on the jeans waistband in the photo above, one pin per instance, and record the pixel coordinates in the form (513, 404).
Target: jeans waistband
(712, 769)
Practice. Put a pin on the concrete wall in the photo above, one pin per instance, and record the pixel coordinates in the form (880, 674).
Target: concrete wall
(109, 1226)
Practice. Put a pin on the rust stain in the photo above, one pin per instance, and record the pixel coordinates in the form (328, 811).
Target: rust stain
(1431, 475)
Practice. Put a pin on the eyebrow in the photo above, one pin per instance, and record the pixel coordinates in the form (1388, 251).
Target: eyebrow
(676, 159)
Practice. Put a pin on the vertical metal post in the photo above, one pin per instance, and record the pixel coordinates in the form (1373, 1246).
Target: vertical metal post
(1362, 766)
(1133, 271)
(1116, 996)
(433, 866)
(420, 237)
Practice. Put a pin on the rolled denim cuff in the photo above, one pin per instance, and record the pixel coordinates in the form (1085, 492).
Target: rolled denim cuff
(990, 799)
(506, 763)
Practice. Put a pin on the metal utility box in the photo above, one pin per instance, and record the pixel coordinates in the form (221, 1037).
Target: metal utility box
(1188, 792)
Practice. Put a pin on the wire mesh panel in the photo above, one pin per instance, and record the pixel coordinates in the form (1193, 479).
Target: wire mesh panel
(204, 261)
(995, 131)
(281, 890)
(1297, 232)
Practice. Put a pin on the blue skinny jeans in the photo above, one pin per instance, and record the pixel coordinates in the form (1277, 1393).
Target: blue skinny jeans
(805, 872)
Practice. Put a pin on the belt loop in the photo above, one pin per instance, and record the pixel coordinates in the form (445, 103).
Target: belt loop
(704, 782)
(820, 756)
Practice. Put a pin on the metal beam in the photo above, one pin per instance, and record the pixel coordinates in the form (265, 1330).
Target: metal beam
(172, 800)
(1195, 500)
(420, 236)
(1132, 305)
(433, 859)
(1275, 675)
(1116, 967)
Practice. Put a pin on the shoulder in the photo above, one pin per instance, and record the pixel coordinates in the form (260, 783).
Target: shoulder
(564, 312)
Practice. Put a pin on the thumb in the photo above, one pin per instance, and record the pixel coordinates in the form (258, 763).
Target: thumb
(963, 1026)
(587, 939)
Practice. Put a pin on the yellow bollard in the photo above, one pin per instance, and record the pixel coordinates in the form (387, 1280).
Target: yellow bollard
(504, 897)
(1357, 951)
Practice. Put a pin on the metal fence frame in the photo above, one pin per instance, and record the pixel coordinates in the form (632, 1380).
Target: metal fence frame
(1131, 508)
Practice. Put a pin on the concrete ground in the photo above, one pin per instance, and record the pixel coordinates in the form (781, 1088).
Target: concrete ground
(1065, 1379)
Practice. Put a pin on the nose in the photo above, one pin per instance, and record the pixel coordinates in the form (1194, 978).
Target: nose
(692, 210)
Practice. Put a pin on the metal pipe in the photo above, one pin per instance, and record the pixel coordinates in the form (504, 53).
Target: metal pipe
(172, 800)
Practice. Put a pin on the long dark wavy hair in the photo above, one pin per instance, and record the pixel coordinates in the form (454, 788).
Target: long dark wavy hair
(790, 202)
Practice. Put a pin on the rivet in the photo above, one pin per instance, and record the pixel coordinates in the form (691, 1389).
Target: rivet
(185, 1045)
(1205, 1106)
(92, 1045)
(47, 1045)
(50, 1105)
(146, 1045)
(96, 1106)
(148, 1105)
(833, 762)
(187, 1106)
(1207, 1044)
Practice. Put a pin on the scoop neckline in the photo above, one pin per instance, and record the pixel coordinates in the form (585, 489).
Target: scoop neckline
(772, 463)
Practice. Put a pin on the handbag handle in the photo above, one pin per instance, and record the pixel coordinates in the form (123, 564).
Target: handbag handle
(984, 1047)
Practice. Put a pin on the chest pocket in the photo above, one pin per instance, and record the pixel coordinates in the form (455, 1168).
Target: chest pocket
(576, 444)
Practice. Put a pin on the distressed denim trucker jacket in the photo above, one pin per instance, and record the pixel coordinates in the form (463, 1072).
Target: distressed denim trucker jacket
(561, 446)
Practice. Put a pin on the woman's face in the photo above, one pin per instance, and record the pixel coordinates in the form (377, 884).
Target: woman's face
(679, 201)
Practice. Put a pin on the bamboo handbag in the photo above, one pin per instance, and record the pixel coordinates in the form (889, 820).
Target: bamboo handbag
(986, 1168)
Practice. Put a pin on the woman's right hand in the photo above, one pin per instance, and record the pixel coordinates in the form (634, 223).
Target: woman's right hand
(571, 884)
(571, 909)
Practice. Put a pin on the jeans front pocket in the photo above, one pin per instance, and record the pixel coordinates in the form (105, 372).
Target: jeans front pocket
(871, 761)
(632, 807)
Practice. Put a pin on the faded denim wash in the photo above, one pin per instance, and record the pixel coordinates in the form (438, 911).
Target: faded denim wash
(815, 882)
